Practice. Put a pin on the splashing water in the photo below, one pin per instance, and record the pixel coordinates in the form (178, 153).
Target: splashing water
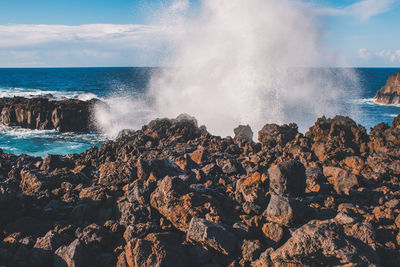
(243, 62)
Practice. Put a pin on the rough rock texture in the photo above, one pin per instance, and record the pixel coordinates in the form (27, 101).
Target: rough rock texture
(171, 194)
(390, 93)
(43, 114)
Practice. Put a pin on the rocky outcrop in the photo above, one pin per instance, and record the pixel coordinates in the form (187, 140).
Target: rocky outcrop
(70, 115)
(390, 93)
(171, 194)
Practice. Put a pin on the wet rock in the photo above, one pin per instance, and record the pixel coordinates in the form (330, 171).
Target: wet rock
(70, 115)
(287, 178)
(212, 235)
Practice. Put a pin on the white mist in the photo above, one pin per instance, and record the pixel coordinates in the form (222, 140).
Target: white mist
(247, 62)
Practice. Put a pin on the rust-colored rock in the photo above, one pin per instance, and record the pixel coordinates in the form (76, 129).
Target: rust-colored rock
(390, 93)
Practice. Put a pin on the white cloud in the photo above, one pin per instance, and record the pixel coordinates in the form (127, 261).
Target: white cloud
(91, 44)
(364, 53)
(366, 9)
(363, 10)
(383, 57)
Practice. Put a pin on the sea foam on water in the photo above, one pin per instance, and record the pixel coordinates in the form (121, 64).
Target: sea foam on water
(232, 62)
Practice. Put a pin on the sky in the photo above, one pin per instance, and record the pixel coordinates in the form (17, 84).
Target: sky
(64, 33)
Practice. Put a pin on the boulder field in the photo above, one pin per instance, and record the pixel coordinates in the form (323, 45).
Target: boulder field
(390, 93)
(71, 115)
(171, 194)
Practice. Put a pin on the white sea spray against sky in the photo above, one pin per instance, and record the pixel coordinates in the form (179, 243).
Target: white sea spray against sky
(239, 62)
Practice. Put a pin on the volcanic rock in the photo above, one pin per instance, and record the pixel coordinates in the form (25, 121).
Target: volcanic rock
(70, 115)
(390, 93)
(324, 243)
(212, 235)
(287, 178)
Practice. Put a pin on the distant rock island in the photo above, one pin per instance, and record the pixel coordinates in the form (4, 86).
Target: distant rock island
(390, 93)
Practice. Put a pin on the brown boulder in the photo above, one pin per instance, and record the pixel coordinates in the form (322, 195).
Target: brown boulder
(287, 178)
(324, 243)
(343, 181)
(73, 255)
(284, 211)
(163, 249)
(212, 235)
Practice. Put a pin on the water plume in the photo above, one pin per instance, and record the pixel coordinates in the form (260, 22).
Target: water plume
(248, 62)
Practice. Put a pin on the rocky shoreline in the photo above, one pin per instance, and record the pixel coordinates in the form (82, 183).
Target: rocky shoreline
(40, 113)
(172, 194)
(390, 93)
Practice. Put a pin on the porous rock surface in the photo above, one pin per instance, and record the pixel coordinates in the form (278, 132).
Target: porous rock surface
(71, 115)
(390, 93)
(171, 194)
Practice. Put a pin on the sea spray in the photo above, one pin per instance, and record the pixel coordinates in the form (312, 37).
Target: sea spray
(242, 62)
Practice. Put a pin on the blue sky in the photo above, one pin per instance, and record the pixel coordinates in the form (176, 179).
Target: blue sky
(118, 33)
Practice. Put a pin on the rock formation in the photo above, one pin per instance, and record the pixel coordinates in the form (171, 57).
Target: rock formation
(390, 93)
(70, 115)
(171, 194)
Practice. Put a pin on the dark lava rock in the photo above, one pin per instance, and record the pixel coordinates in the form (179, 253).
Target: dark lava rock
(70, 115)
(212, 235)
(390, 93)
(287, 178)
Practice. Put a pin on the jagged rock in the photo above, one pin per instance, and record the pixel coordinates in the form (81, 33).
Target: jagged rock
(284, 211)
(117, 199)
(272, 134)
(34, 182)
(44, 248)
(161, 249)
(73, 255)
(212, 235)
(342, 180)
(273, 232)
(287, 178)
(181, 130)
(324, 243)
(390, 93)
(117, 173)
(243, 133)
(251, 250)
(315, 179)
(51, 162)
(336, 138)
(70, 115)
(174, 203)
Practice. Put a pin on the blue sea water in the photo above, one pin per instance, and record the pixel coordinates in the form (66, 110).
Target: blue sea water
(87, 83)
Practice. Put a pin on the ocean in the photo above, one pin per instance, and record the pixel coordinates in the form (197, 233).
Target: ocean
(87, 83)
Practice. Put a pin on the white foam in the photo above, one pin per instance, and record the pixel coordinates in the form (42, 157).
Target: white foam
(371, 101)
(123, 112)
(51, 94)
